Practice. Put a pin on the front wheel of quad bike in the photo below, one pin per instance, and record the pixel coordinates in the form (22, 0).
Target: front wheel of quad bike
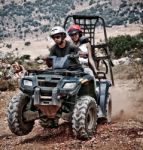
(16, 122)
(84, 118)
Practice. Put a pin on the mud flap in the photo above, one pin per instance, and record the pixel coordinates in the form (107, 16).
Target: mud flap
(103, 89)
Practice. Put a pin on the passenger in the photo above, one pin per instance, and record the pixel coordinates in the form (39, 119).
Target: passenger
(85, 53)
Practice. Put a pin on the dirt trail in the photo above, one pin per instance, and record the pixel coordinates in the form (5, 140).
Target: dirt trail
(124, 133)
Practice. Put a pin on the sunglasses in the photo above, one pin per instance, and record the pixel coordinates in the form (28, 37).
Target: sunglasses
(56, 37)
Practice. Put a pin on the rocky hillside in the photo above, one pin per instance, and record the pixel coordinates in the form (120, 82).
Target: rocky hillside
(19, 17)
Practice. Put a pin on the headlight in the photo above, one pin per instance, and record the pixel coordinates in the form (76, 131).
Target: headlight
(69, 85)
(27, 83)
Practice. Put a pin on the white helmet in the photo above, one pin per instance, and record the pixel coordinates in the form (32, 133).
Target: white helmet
(56, 30)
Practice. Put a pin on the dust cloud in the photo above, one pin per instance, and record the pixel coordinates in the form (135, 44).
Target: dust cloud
(125, 100)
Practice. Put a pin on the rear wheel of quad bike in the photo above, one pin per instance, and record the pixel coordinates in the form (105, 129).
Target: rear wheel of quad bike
(17, 106)
(84, 118)
(109, 109)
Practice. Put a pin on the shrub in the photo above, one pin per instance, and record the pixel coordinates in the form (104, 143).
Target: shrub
(91, 2)
(8, 45)
(120, 44)
(27, 43)
(25, 57)
(44, 28)
(123, 4)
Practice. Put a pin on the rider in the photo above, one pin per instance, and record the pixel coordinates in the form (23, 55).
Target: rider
(62, 47)
(85, 53)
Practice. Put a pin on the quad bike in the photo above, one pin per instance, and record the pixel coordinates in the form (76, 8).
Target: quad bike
(47, 94)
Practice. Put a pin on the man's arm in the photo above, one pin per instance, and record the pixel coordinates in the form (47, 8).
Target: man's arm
(46, 58)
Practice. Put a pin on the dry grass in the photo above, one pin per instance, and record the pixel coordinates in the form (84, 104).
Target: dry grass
(40, 45)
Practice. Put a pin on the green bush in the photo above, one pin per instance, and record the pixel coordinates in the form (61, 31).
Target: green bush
(27, 43)
(25, 57)
(9, 45)
(120, 44)
(44, 28)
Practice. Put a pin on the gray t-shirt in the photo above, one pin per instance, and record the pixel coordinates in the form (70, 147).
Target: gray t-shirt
(55, 50)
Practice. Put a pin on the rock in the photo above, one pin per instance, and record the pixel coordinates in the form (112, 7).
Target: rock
(27, 60)
(1, 73)
(140, 133)
(2, 55)
(40, 61)
(121, 61)
(115, 62)
(62, 121)
(124, 60)
(138, 60)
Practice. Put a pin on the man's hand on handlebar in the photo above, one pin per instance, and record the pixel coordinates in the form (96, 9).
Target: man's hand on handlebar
(48, 61)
